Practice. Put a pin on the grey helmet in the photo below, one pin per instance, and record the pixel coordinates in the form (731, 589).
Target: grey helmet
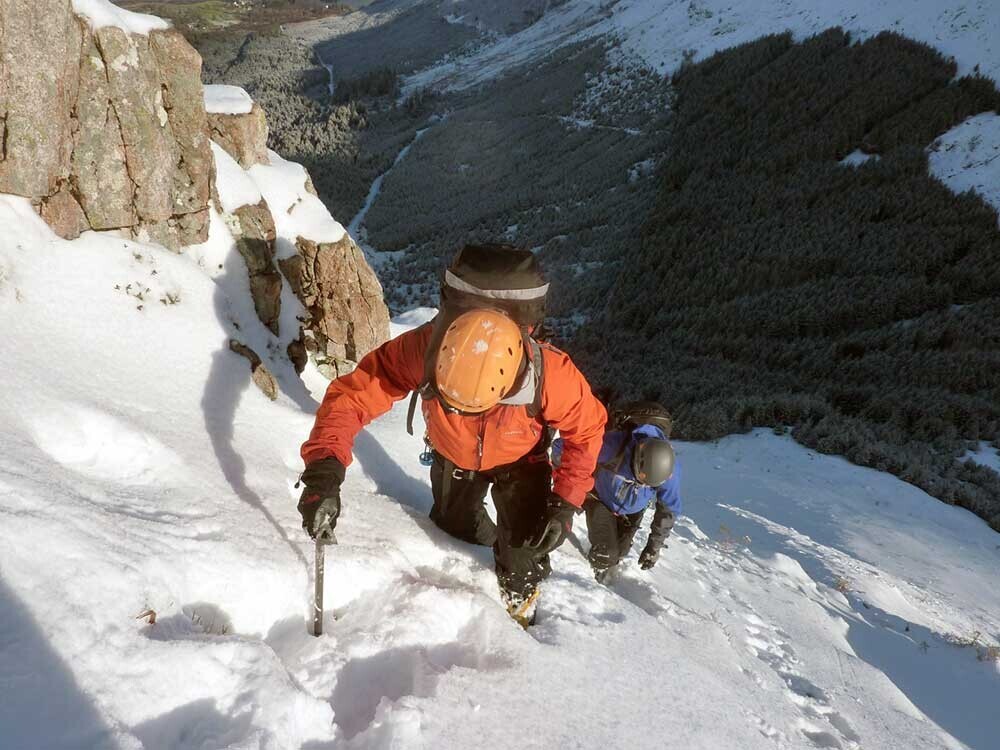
(652, 461)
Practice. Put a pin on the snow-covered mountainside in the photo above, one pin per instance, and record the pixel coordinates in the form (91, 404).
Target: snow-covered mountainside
(155, 583)
(803, 601)
(662, 34)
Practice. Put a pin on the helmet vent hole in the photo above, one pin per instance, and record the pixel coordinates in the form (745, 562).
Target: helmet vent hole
(501, 371)
(510, 351)
(492, 388)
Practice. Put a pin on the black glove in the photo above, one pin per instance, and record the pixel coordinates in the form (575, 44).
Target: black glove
(320, 501)
(556, 524)
(663, 522)
(649, 556)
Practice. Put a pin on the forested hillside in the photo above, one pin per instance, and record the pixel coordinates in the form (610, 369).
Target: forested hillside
(344, 144)
(550, 157)
(773, 285)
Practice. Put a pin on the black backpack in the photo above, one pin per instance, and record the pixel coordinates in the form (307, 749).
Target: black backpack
(492, 276)
(629, 415)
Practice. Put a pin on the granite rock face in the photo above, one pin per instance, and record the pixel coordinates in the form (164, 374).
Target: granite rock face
(111, 121)
(347, 316)
(254, 234)
(40, 43)
(242, 136)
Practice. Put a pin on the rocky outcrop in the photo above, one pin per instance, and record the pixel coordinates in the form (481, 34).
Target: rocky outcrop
(254, 234)
(243, 136)
(63, 213)
(261, 376)
(105, 127)
(40, 53)
(347, 317)
(105, 119)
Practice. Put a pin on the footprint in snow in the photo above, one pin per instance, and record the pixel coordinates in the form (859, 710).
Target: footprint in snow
(101, 446)
(385, 679)
(819, 722)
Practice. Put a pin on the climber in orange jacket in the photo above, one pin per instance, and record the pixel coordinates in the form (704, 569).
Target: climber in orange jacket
(492, 399)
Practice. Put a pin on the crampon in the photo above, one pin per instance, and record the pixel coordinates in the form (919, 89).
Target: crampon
(522, 608)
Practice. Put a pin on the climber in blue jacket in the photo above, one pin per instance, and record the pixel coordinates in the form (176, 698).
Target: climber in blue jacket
(636, 468)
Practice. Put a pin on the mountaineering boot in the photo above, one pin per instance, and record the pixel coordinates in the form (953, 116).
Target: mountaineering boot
(603, 575)
(520, 607)
(600, 557)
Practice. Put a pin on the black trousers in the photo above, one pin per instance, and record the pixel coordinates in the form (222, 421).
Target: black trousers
(610, 535)
(519, 492)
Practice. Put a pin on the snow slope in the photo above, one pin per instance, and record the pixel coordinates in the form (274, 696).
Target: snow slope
(967, 157)
(803, 601)
(660, 32)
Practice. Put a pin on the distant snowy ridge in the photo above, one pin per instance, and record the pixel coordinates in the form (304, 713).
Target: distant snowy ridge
(661, 34)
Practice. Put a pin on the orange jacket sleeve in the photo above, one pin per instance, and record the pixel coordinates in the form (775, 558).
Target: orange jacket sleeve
(570, 407)
(384, 376)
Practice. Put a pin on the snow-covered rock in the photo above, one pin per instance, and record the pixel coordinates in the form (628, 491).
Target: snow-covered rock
(221, 99)
(332, 306)
(240, 129)
(103, 13)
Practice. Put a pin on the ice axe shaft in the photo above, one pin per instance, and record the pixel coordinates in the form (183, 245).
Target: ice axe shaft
(323, 538)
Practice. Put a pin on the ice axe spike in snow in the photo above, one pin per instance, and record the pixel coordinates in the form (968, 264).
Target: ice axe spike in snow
(324, 537)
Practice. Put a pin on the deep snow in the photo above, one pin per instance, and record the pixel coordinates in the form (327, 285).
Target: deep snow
(140, 470)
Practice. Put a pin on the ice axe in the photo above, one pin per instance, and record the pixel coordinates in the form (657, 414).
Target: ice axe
(324, 537)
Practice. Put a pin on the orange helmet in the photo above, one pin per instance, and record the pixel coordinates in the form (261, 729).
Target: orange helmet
(478, 360)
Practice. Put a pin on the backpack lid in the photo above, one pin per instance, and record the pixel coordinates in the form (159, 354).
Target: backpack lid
(496, 271)
(635, 413)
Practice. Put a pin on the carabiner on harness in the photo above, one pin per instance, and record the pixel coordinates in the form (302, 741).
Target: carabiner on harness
(427, 454)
